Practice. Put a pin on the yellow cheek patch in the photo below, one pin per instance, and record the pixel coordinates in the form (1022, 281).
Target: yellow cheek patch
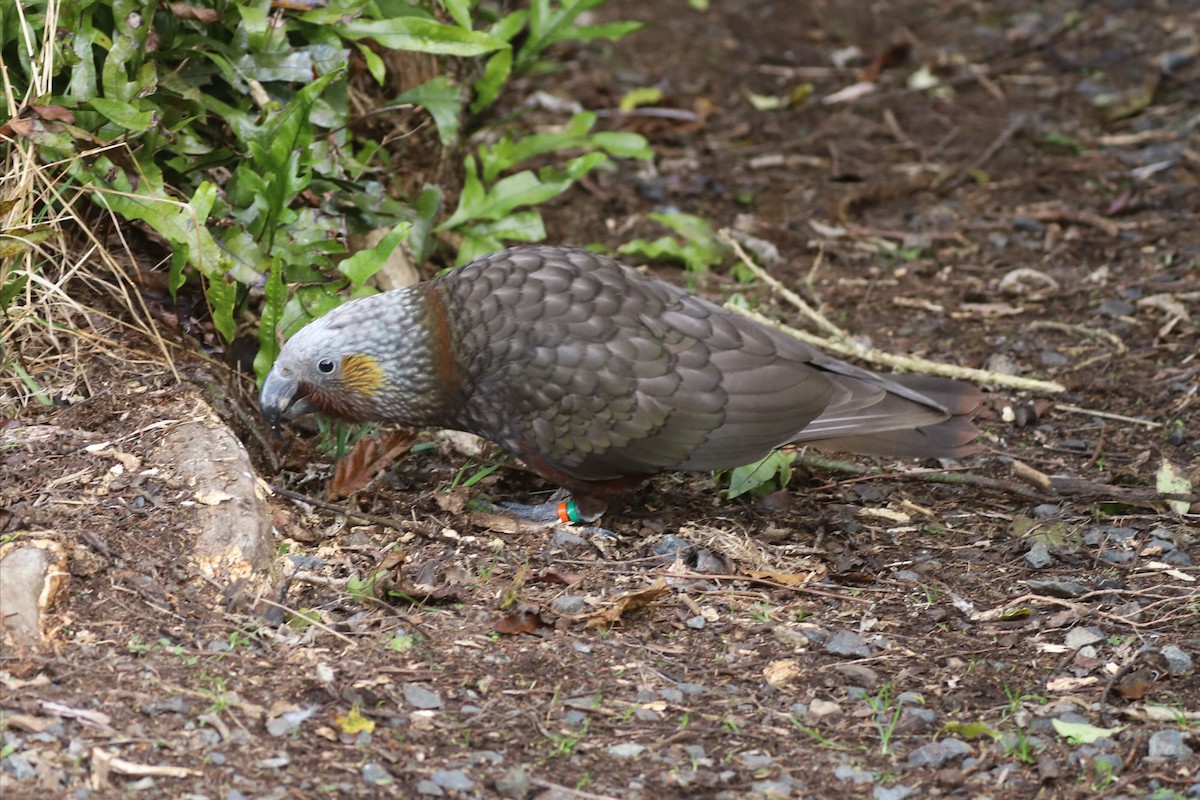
(361, 374)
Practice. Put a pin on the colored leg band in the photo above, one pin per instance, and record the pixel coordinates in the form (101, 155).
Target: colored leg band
(568, 512)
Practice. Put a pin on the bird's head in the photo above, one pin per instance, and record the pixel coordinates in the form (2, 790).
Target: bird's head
(365, 360)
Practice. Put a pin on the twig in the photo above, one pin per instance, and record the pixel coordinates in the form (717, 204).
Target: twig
(308, 620)
(842, 344)
(1107, 415)
(925, 476)
(1083, 330)
(811, 314)
(350, 513)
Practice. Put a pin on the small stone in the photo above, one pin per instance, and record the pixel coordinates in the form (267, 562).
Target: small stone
(845, 772)
(858, 674)
(697, 622)
(671, 547)
(1038, 556)
(1178, 662)
(429, 788)
(709, 564)
(626, 750)
(375, 774)
(1168, 745)
(756, 760)
(1176, 558)
(897, 792)
(671, 695)
(691, 689)
(1046, 510)
(1063, 589)
(453, 779)
(934, 754)
(515, 783)
(568, 605)
(823, 708)
(565, 540)
(1081, 637)
(418, 696)
(1119, 557)
(1115, 308)
(848, 644)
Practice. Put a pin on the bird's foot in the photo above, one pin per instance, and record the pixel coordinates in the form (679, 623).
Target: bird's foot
(554, 510)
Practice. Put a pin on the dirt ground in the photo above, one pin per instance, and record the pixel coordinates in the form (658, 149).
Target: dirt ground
(1018, 193)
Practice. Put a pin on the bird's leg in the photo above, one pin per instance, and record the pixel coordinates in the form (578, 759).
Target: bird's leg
(561, 507)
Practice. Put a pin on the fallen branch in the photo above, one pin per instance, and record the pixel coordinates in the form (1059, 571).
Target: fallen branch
(840, 342)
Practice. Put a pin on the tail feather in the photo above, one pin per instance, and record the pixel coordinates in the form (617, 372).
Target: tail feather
(929, 418)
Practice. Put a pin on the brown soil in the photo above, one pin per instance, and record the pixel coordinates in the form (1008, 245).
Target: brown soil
(727, 681)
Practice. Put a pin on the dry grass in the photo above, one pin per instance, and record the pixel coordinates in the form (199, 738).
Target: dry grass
(77, 294)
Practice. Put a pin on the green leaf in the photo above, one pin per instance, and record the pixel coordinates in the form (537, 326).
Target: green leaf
(765, 475)
(374, 63)
(124, 114)
(1169, 481)
(427, 207)
(1082, 732)
(495, 73)
(422, 36)
(365, 263)
(971, 730)
(222, 294)
(444, 100)
(459, 10)
(275, 297)
(643, 96)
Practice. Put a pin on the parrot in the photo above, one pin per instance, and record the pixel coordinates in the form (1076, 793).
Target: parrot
(599, 377)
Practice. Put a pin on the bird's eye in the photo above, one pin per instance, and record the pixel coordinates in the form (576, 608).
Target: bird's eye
(325, 365)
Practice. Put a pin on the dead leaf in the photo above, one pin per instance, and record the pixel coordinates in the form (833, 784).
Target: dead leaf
(626, 603)
(523, 620)
(554, 576)
(785, 578)
(780, 672)
(190, 12)
(368, 458)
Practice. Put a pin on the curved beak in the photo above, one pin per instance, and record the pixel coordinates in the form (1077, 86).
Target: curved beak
(280, 398)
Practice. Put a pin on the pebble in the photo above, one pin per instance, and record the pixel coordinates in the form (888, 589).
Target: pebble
(1119, 557)
(453, 779)
(1063, 589)
(671, 695)
(756, 760)
(515, 783)
(691, 688)
(1038, 556)
(566, 540)
(847, 643)
(430, 788)
(418, 696)
(697, 622)
(1080, 637)
(1178, 662)
(915, 719)
(897, 792)
(375, 774)
(671, 547)
(934, 754)
(845, 772)
(626, 750)
(1168, 745)
(1115, 308)
(709, 564)
(858, 674)
(568, 605)
(1046, 510)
